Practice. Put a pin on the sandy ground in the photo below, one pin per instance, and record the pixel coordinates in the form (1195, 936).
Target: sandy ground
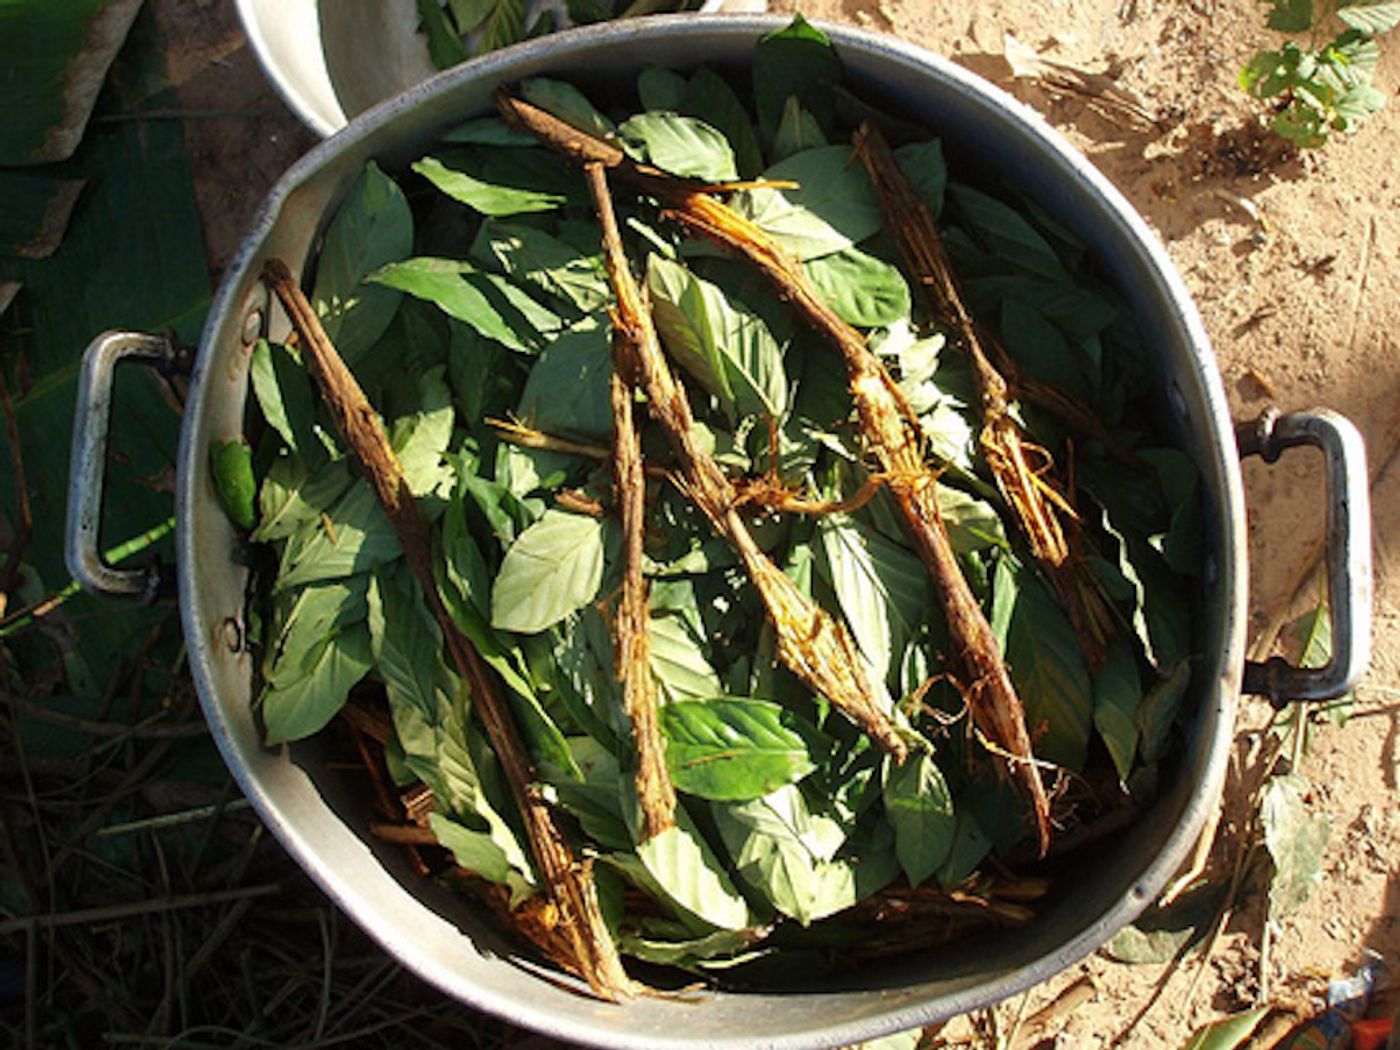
(1295, 267)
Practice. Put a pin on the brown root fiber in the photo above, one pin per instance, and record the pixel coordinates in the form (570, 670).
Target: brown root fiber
(587, 947)
(811, 643)
(1021, 468)
(631, 642)
(893, 439)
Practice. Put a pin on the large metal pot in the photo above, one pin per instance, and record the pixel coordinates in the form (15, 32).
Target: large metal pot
(322, 823)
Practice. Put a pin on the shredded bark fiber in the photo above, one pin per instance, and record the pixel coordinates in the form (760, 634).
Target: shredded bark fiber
(889, 427)
(1023, 470)
(812, 644)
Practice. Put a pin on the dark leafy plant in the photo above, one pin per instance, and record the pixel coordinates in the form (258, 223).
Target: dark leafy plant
(1321, 87)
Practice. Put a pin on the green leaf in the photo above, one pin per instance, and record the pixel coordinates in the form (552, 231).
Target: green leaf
(1296, 838)
(779, 851)
(231, 464)
(468, 14)
(488, 302)
(322, 650)
(689, 952)
(1048, 671)
(920, 809)
(973, 524)
(353, 536)
(1373, 18)
(832, 208)
(488, 131)
(297, 707)
(462, 563)
(406, 645)
(492, 198)
(532, 256)
(1157, 714)
(567, 103)
(1268, 73)
(372, 228)
(1117, 697)
(733, 749)
(727, 349)
(481, 853)
(553, 568)
(863, 290)
(1006, 233)
(882, 588)
(34, 212)
(1229, 1033)
(678, 662)
(55, 58)
(444, 47)
(660, 88)
(927, 171)
(504, 26)
(1161, 933)
(796, 60)
(684, 866)
(421, 439)
(681, 145)
(1291, 16)
(293, 497)
(568, 389)
(283, 391)
(709, 97)
(797, 131)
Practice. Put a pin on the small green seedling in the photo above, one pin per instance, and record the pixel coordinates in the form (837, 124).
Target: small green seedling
(1321, 87)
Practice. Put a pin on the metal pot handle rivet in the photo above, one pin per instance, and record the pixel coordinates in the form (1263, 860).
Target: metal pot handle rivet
(1349, 584)
(88, 469)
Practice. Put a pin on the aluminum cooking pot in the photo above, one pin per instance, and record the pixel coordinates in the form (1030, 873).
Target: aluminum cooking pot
(316, 813)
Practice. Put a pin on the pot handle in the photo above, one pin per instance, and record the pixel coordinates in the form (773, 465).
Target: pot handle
(1348, 546)
(87, 471)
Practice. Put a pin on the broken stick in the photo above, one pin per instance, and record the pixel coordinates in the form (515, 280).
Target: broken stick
(568, 883)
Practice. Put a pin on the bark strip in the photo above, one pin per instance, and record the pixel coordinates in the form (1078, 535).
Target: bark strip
(890, 428)
(631, 622)
(1041, 512)
(811, 643)
(568, 883)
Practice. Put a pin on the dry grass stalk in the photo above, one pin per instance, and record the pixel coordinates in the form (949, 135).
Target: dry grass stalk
(631, 622)
(1020, 466)
(569, 884)
(812, 644)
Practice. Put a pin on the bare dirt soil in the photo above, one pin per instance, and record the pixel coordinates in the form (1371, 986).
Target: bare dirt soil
(1295, 266)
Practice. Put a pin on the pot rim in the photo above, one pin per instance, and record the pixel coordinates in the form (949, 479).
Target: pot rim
(1218, 685)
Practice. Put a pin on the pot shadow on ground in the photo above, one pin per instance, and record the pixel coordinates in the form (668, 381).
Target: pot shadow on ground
(1178, 174)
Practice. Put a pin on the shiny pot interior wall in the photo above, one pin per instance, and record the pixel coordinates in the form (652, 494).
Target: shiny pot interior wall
(439, 937)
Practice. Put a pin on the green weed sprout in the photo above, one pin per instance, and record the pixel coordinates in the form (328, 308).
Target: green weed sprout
(1323, 87)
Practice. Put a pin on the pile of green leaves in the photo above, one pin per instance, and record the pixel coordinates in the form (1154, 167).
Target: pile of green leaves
(471, 288)
(1324, 86)
(456, 30)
